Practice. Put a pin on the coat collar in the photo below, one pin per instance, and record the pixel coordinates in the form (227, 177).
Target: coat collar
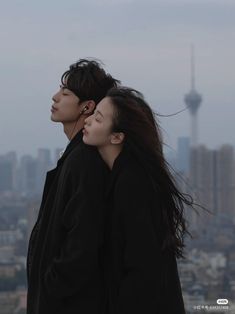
(52, 173)
(72, 144)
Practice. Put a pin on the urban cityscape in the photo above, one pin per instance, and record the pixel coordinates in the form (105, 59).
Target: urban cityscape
(207, 273)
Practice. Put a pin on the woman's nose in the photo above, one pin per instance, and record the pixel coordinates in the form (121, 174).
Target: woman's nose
(87, 120)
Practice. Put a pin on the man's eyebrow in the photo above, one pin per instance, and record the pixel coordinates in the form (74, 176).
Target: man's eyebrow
(63, 87)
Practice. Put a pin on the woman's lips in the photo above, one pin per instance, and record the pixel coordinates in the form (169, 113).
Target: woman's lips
(84, 131)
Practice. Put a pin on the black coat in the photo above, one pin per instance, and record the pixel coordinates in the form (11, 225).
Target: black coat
(141, 279)
(64, 262)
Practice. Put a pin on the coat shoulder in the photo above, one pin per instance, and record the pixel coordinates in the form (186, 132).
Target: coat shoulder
(83, 166)
(83, 153)
(84, 158)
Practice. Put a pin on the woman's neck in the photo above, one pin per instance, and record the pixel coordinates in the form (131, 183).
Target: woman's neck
(109, 154)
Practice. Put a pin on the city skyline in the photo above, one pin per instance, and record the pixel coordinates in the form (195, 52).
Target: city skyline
(207, 272)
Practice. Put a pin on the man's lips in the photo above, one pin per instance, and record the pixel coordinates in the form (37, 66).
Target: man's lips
(53, 109)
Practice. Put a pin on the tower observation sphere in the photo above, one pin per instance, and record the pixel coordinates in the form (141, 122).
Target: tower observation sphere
(193, 100)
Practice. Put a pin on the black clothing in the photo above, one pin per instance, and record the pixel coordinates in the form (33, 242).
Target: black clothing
(64, 262)
(141, 278)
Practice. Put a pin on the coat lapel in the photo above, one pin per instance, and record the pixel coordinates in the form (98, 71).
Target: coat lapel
(74, 142)
(50, 176)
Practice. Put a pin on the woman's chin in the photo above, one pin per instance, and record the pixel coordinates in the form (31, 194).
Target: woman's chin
(85, 139)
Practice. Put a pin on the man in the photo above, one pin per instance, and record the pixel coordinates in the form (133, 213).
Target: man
(64, 262)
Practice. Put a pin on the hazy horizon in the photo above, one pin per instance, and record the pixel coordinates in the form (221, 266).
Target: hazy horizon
(145, 44)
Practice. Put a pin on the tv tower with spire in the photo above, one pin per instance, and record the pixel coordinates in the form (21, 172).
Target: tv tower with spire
(193, 100)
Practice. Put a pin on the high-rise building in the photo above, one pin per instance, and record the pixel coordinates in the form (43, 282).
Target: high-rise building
(212, 177)
(12, 157)
(6, 175)
(201, 182)
(43, 165)
(28, 175)
(225, 171)
(183, 155)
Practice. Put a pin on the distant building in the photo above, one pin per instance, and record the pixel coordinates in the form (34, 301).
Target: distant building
(171, 157)
(183, 155)
(8, 172)
(212, 177)
(7, 269)
(28, 175)
(43, 165)
(13, 301)
(225, 181)
(6, 175)
(6, 254)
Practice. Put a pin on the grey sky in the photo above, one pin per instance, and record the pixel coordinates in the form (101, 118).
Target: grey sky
(146, 44)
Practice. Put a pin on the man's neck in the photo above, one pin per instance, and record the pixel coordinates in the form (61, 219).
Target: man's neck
(72, 128)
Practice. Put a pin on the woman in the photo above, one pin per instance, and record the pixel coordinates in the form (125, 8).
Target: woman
(146, 224)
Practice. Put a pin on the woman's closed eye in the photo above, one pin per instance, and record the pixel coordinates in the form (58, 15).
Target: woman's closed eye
(98, 117)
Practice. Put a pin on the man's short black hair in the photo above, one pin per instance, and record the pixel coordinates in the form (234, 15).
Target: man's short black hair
(88, 80)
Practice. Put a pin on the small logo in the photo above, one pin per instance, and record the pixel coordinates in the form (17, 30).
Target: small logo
(222, 301)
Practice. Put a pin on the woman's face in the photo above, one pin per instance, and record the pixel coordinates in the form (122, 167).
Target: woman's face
(98, 127)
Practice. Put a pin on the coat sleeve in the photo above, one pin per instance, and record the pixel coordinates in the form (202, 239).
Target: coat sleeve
(77, 262)
(139, 290)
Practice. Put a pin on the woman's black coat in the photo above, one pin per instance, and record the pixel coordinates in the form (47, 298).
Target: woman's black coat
(141, 279)
(64, 262)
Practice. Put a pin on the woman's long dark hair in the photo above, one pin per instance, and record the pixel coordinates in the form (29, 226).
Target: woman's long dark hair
(143, 138)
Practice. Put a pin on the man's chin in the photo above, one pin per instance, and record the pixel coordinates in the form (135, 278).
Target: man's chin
(54, 119)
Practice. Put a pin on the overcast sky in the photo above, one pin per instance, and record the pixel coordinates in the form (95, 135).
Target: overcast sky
(146, 44)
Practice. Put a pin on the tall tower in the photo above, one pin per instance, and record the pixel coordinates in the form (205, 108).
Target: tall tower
(193, 100)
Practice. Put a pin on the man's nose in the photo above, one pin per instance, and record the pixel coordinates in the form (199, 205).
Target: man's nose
(55, 97)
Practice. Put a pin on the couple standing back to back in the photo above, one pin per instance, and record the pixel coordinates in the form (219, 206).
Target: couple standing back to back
(111, 224)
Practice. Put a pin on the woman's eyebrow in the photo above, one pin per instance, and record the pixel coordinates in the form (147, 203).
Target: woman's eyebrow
(97, 111)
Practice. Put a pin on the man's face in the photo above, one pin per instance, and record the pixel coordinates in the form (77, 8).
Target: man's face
(65, 107)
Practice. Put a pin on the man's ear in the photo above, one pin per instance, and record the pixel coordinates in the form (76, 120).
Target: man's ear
(90, 106)
(117, 138)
